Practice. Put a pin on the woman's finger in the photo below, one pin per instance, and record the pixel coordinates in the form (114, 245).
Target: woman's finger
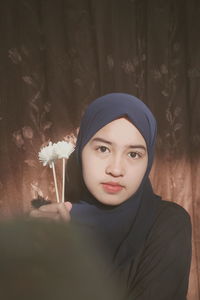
(68, 205)
(36, 213)
(64, 212)
(54, 211)
(52, 208)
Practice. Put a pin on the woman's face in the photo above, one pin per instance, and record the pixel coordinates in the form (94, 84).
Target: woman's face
(114, 162)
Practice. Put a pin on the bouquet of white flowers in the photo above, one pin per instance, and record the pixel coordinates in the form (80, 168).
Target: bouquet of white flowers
(48, 156)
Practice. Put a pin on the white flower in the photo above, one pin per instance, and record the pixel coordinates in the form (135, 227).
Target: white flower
(63, 149)
(47, 155)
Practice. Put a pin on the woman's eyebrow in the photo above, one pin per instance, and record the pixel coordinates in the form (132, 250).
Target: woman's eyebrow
(101, 140)
(137, 146)
(97, 139)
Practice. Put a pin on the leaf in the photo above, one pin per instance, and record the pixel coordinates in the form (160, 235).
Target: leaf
(78, 82)
(36, 97)
(17, 137)
(177, 111)
(71, 138)
(47, 125)
(178, 126)
(169, 116)
(156, 74)
(165, 93)
(28, 80)
(167, 135)
(30, 163)
(128, 67)
(14, 55)
(47, 107)
(36, 190)
(27, 132)
(34, 106)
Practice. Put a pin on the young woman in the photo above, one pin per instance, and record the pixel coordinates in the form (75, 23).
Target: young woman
(146, 240)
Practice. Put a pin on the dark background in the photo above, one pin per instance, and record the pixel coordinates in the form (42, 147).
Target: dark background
(57, 56)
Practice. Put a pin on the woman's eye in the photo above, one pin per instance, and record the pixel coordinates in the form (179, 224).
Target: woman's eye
(134, 155)
(102, 149)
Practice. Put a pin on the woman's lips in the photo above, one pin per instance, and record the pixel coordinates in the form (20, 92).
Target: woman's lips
(112, 187)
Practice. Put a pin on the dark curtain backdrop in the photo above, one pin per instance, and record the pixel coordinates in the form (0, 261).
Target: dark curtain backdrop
(57, 56)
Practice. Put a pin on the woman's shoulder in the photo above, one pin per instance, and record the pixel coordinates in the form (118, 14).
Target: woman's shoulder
(171, 217)
(164, 264)
(169, 238)
(168, 208)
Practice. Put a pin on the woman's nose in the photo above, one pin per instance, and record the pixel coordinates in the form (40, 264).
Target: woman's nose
(115, 167)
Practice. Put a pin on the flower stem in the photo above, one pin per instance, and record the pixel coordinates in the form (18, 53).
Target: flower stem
(55, 182)
(63, 181)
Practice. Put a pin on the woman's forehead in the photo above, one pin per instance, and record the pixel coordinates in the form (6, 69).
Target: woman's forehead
(120, 131)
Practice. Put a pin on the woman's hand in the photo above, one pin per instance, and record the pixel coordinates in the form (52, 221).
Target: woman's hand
(54, 211)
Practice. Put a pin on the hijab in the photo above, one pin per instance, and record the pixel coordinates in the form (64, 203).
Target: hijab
(122, 228)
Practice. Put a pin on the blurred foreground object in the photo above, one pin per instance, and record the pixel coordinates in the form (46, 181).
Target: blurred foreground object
(47, 261)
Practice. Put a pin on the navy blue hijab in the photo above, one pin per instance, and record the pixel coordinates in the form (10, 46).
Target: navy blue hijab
(122, 229)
